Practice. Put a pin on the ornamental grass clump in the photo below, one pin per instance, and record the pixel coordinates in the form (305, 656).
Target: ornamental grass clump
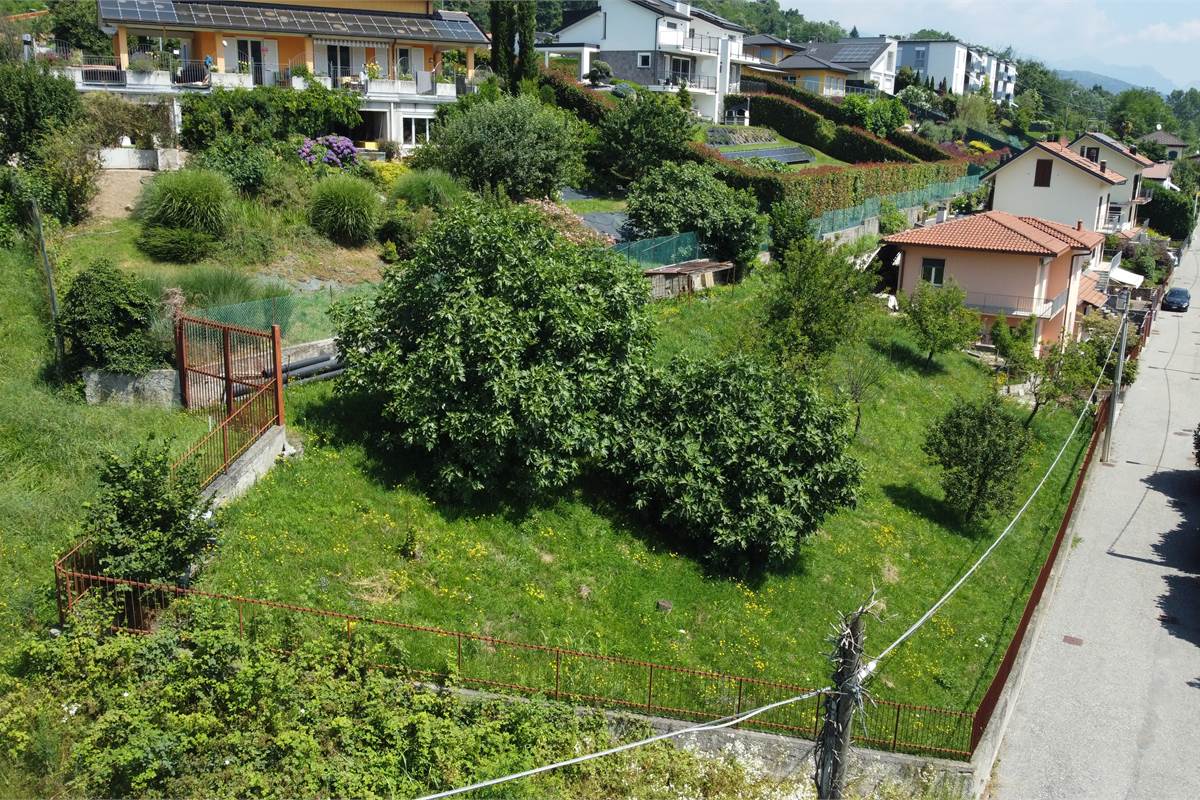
(193, 199)
(344, 209)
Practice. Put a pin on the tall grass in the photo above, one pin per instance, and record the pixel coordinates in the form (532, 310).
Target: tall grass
(205, 286)
(195, 199)
(345, 209)
(427, 188)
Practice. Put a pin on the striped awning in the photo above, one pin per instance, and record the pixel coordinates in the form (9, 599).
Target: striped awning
(322, 42)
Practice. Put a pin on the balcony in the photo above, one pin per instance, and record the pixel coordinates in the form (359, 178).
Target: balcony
(671, 81)
(1114, 221)
(675, 40)
(1007, 305)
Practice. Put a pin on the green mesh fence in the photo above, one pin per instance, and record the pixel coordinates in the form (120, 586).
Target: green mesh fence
(844, 218)
(661, 249)
(301, 317)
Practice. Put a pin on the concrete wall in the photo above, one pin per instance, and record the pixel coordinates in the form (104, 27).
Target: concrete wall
(129, 158)
(159, 387)
(974, 271)
(1071, 196)
(249, 467)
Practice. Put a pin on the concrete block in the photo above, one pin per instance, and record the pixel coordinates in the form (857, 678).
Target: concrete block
(158, 387)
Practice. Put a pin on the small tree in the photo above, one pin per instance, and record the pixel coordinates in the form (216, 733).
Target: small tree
(938, 319)
(33, 105)
(639, 134)
(106, 322)
(861, 372)
(675, 198)
(501, 350)
(1014, 345)
(813, 301)
(147, 525)
(529, 149)
(1061, 375)
(980, 448)
(599, 73)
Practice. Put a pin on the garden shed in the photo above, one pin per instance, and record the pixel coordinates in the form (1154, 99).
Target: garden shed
(688, 277)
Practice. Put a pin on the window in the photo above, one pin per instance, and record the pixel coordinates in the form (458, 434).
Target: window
(1041, 174)
(339, 61)
(403, 61)
(921, 57)
(1100, 213)
(933, 270)
(681, 68)
(671, 25)
(1091, 154)
(643, 61)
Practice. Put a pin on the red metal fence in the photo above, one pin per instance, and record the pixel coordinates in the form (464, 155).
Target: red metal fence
(488, 662)
(234, 367)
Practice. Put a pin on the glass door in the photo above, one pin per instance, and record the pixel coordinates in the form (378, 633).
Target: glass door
(339, 62)
(250, 54)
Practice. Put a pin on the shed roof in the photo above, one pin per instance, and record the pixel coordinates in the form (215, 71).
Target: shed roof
(692, 267)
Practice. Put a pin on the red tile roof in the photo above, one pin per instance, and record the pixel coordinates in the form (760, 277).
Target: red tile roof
(1089, 290)
(1001, 232)
(1087, 165)
(1159, 172)
(1119, 146)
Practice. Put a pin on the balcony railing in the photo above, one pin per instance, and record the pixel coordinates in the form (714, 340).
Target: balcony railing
(1008, 305)
(691, 80)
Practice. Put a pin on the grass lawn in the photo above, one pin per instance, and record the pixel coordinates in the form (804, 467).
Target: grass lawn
(50, 443)
(327, 530)
(593, 205)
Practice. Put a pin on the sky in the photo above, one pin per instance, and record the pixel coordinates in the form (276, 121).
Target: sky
(1099, 35)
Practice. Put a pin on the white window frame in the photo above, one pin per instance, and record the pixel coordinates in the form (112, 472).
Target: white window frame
(643, 60)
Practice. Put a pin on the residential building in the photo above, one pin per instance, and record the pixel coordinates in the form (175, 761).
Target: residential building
(660, 45)
(768, 48)
(175, 47)
(1011, 267)
(1051, 181)
(1174, 146)
(809, 73)
(1160, 174)
(1126, 197)
(1001, 75)
(944, 61)
(872, 61)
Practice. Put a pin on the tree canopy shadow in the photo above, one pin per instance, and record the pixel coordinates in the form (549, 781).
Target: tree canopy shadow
(1179, 550)
(905, 356)
(934, 509)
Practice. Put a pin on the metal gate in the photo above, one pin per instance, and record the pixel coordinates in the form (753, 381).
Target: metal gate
(235, 368)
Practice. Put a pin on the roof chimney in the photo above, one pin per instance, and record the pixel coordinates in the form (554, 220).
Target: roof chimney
(1133, 149)
(1078, 224)
(1104, 166)
(1062, 140)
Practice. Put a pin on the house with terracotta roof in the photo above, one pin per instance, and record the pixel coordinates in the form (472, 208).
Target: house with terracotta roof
(1125, 159)
(1011, 267)
(1051, 181)
(1170, 142)
(769, 48)
(1160, 174)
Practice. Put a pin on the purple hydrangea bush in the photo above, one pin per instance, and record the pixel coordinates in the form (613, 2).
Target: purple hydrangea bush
(332, 150)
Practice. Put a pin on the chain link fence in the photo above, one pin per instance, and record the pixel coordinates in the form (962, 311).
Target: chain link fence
(844, 218)
(661, 250)
(301, 317)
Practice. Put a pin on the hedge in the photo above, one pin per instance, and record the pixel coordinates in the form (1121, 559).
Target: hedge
(814, 102)
(589, 105)
(267, 114)
(801, 124)
(821, 189)
(921, 148)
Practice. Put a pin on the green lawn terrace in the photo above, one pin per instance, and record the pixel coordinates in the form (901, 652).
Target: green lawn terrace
(347, 528)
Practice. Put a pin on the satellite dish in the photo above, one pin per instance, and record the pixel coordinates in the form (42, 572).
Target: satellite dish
(1158, 126)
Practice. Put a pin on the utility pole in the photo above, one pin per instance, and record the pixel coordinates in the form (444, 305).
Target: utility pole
(833, 744)
(1116, 390)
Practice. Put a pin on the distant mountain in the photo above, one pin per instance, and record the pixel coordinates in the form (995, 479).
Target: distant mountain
(1091, 73)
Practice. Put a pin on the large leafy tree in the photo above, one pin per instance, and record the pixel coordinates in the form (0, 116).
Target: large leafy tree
(813, 303)
(980, 447)
(738, 459)
(1136, 112)
(529, 149)
(1170, 212)
(501, 350)
(75, 22)
(33, 104)
(675, 198)
(640, 133)
(938, 318)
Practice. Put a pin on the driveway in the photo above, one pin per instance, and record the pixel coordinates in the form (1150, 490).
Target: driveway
(1110, 705)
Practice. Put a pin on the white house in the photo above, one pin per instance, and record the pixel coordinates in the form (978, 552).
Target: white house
(660, 45)
(1126, 197)
(944, 61)
(872, 60)
(1052, 181)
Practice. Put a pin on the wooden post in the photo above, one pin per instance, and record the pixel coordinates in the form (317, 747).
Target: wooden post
(833, 745)
(277, 346)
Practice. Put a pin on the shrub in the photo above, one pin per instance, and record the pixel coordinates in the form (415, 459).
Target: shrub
(917, 146)
(599, 73)
(400, 228)
(503, 351)
(891, 219)
(105, 322)
(344, 209)
(569, 224)
(245, 163)
(428, 188)
(675, 198)
(33, 104)
(588, 105)
(266, 114)
(147, 525)
(938, 319)
(177, 245)
(1170, 212)
(737, 459)
(194, 199)
(63, 175)
(385, 173)
(285, 186)
(980, 448)
(110, 116)
(529, 149)
(332, 151)
(251, 237)
(639, 134)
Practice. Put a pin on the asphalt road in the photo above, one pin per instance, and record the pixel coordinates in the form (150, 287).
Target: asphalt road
(1110, 704)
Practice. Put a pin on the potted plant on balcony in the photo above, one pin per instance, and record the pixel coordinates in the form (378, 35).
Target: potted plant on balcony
(405, 83)
(144, 71)
(299, 76)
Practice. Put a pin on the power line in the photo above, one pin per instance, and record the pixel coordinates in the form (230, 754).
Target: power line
(709, 726)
